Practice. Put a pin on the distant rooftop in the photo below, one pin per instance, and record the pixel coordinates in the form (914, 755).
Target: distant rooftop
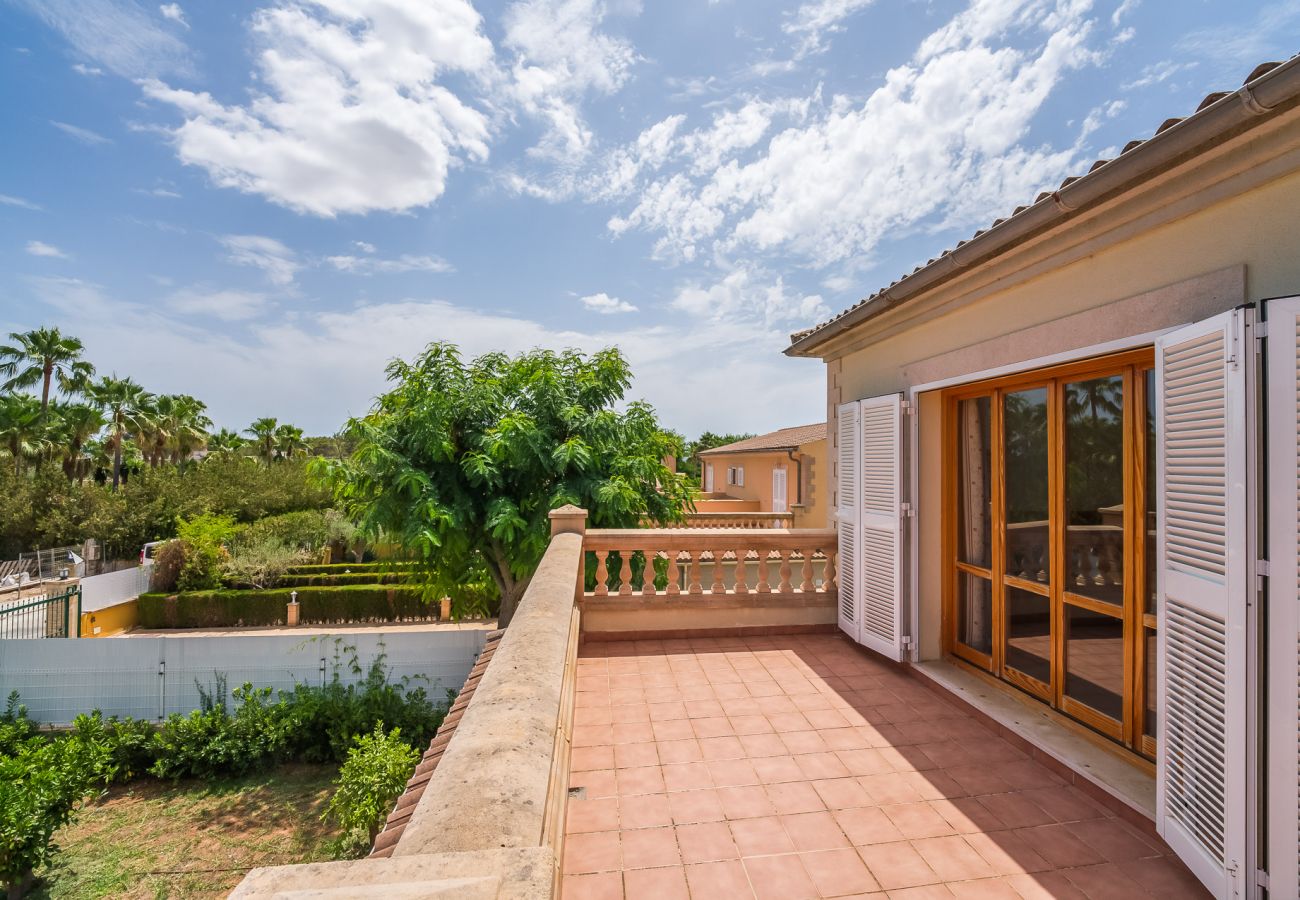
(782, 439)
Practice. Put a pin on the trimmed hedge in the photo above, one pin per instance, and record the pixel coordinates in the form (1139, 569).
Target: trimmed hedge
(345, 568)
(317, 605)
(328, 580)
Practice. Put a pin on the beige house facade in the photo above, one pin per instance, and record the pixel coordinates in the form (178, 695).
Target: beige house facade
(1063, 460)
(779, 472)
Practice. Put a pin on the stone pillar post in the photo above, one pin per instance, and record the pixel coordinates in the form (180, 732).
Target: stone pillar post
(568, 519)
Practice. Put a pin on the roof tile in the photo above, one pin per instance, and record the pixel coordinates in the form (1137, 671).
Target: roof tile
(782, 439)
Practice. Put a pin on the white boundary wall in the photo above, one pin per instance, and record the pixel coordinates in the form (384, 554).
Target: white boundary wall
(150, 678)
(101, 591)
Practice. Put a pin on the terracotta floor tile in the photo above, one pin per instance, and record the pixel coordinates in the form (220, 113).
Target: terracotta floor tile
(632, 733)
(585, 758)
(842, 738)
(732, 772)
(977, 780)
(933, 784)
(655, 884)
(866, 826)
(721, 748)
(814, 831)
(890, 787)
(985, 889)
(706, 842)
(1059, 846)
(628, 696)
(592, 815)
(605, 886)
(640, 780)
(593, 735)
(597, 782)
(673, 730)
(679, 751)
(1015, 810)
(918, 820)
(1065, 803)
(798, 742)
(1115, 840)
(966, 815)
(703, 709)
(953, 859)
(925, 892)
(863, 761)
(686, 777)
(718, 879)
(777, 769)
(1104, 882)
(759, 745)
(628, 713)
(730, 691)
(897, 866)
(754, 724)
(838, 873)
(1051, 885)
(1007, 853)
(794, 797)
(717, 726)
(761, 837)
(592, 715)
(779, 878)
(824, 718)
(789, 722)
(660, 712)
(693, 807)
(650, 847)
(821, 765)
(595, 852)
(629, 756)
(841, 793)
(644, 811)
(1165, 878)
(745, 802)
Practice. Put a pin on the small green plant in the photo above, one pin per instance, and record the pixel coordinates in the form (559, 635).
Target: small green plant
(16, 730)
(262, 563)
(124, 748)
(204, 538)
(377, 768)
(40, 787)
(168, 561)
(210, 741)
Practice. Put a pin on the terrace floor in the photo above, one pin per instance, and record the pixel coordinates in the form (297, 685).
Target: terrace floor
(800, 767)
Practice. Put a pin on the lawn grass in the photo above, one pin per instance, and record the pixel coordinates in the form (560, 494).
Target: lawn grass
(192, 838)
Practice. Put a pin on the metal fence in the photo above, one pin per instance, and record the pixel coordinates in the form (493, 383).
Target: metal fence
(50, 563)
(153, 677)
(100, 591)
(37, 617)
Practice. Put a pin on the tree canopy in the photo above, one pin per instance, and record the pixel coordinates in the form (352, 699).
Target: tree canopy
(461, 463)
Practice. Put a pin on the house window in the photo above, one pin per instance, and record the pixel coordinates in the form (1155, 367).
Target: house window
(1050, 536)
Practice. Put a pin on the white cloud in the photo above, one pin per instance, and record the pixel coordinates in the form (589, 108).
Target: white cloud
(561, 56)
(166, 193)
(349, 113)
(364, 246)
(1157, 73)
(940, 140)
(606, 305)
(815, 19)
(1125, 8)
(174, 13)
(407, 262)
(228, 305)
(88, 71)
(10, 200)
(275, 259)
(117, 34)
(40, 248)
(85, 135)
(747, 294)
(315, 370)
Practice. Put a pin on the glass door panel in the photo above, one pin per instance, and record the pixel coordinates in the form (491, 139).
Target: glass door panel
(1094, 488)
(1027, 484)
(975, 612)
(1029, 634)
(1094, 660)
(974, 482)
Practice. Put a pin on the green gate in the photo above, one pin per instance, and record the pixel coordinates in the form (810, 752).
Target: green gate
(44, 616)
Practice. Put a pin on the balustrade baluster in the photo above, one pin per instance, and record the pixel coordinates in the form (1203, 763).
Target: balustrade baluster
(648, 573)
(674, 573)
(625, 573)
(785, 587)
(807, 586)
(693, 585)
(719, 586)
(742, 563)
(763, 587)
(602, 575)
(829, 576)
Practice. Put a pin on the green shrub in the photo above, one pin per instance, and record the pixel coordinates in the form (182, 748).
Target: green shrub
(346, 568)
(211, 742)
(341, 579)
(126, 748)
(40, 787)
(261, 564)
(303, 530)
(376, 771)
(16, 730)
(204, 538)
(168, 561)
(317, 605)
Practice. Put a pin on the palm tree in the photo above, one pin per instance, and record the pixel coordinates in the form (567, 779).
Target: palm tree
(20, 427)
(76, 424)
(225, 442)
(41, 356)
(190, 424)
(121, 401)
(289, 441)
(263, 431)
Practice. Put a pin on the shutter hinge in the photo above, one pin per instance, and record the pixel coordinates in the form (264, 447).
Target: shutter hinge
(907, 642)
(1261, 878)
(1261, 330)
(906, 510)
(907, 407)
(1262, 568)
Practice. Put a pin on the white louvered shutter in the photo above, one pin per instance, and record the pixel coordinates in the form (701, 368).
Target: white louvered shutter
(1283, 795)
(880, 557)
(848, 488)
(1203, 521)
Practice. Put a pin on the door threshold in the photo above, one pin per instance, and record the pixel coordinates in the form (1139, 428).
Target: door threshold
(1123, 782)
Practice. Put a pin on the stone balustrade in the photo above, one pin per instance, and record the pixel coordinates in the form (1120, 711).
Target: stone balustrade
(739, 520)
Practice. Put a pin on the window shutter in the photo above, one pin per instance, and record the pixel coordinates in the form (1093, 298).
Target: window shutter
(1203, 522)
(848, 431)
(1283, 796)
(708, 478)
(880, 559)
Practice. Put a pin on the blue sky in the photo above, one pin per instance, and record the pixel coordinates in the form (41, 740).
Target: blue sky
(260, 203)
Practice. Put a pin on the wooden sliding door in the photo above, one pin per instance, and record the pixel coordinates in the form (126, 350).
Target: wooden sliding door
(1048, 537)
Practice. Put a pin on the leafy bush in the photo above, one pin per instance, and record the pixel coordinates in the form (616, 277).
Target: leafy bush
(376, 770)
(261, 564)
(352, 568)
(168, 560)
(124, 748)
(40, 786)
(210, 741)
(325, 605)
(341, 579)
(16, 730)
(304, 530)
(204, 538)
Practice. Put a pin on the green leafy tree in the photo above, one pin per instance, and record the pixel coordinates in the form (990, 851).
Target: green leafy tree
(375, 772)
(460, 463)
(124, 403)
(289, 442)
(44, 356)
(263, 433)
(690, 465)
(21, 431)
(75, 424)
(225, 442)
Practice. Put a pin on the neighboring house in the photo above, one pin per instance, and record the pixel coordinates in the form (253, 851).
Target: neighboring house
(1064, 448)
(775, 472)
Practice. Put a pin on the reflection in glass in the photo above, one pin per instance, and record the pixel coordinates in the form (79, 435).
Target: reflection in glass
(1149, 701)
(1094, 488)
(1094, 660)
(1149, 543)
(1029, 634)
(1025, 450)
(975, 612)
(974, 483)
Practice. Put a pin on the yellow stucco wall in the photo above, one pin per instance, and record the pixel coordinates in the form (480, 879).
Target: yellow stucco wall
(757, 488)
(110, 620)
